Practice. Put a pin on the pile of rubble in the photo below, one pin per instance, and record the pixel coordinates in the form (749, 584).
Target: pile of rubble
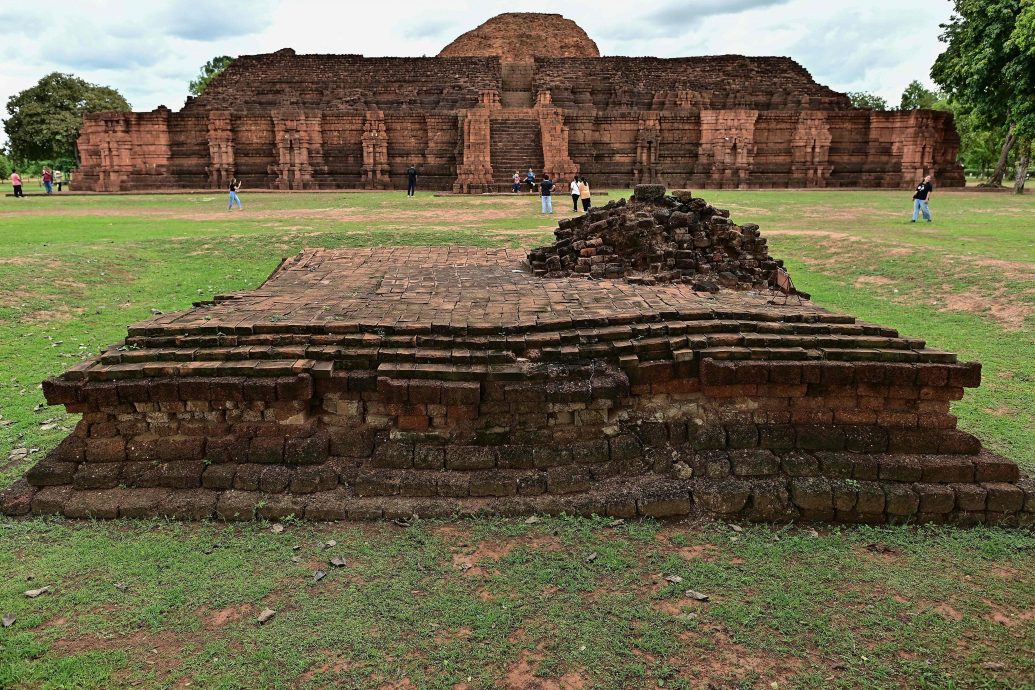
(659, 238)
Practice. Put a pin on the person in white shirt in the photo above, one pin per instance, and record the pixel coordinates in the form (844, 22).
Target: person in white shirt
(575, 192)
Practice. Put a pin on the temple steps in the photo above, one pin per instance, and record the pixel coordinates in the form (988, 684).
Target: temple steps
(515, 144)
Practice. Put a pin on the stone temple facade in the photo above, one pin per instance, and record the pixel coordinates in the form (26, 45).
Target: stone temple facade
(494, 102)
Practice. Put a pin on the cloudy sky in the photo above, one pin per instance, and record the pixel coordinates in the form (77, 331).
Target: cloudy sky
(151, 50)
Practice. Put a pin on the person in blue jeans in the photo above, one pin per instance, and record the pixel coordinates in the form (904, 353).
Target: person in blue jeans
(920, 199)
(545, 190)
(234, 199)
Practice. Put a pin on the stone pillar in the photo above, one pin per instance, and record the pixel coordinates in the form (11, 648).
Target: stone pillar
(293, 139)
(474, 174)
(375, 152)
(648, 141)
(727, 137)
(810, 151)
(919, 141)
(115, 148)
(554, 135)
(221, 168)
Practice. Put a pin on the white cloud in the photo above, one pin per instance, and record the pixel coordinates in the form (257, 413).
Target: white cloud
(150, 51)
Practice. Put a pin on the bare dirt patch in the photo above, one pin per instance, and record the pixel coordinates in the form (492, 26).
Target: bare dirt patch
(161, 651)
(863, 281)
(1000, 307)
(522, 676)
(231, 614)
(727, 663)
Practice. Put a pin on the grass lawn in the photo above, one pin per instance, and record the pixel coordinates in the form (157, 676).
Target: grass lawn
(479, 604)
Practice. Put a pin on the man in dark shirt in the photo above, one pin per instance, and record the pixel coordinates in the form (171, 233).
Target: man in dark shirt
(545, 189)
(920, 199)
(411, 181)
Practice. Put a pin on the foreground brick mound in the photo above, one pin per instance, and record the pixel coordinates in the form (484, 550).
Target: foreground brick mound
(659, 238)
(393, 382)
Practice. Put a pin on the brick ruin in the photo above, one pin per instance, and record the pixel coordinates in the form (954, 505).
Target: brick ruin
(494, 102)
(392, 382)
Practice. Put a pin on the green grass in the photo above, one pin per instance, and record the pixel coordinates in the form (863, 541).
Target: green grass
(944, 609)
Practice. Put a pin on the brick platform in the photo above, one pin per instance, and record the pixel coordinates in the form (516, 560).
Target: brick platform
(374, 383)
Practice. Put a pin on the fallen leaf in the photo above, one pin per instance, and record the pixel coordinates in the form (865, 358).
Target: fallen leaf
(674, 579)
(532, 520)
(277, 528)
(993, 666)
(121, 586)
(736, 528)
(265, 616)
(33, 593)
(338, 562)
(591, 557)
(696, 596)
(319, 575)
(329, 544)
(8, 620)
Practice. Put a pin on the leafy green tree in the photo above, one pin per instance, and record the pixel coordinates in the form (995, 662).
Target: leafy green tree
(209, 71)
(45, 119)
(988, 72)
(5, 167)
(861, 99)
(917, 96)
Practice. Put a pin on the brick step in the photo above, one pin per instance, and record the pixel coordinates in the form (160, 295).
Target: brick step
(782, 499)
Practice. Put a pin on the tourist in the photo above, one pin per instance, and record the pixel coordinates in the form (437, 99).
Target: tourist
(573, 188)
(235, 184)
(516, 186)
(584, 193)
(16, 182)
(58, 176)
(545, 189)
(48, 180)
(921, 199)
(530, 179)
(411, 181)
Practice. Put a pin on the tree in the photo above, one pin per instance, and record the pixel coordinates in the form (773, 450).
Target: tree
(917, 96)
(211, 69)
(45, 119)
(6, 166)
(861, 99)
(987, 70)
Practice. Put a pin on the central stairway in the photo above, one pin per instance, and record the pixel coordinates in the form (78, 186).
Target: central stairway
(515, 144)
(517, 84)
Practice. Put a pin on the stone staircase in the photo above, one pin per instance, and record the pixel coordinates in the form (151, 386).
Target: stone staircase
(517, 84)
(515, 144)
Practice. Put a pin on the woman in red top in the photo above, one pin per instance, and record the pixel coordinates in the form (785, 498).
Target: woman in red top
(16, 182)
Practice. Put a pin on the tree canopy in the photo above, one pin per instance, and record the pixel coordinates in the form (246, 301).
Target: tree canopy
(988, 66)
(917, 96)
(45, 119)
(861, 99)
(209, 71)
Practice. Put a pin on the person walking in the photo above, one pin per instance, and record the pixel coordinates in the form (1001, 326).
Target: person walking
(573, 189)
(235, 184)
(584, 193)
(516, 186)
(545, 191)
(16, 182)
(411, 181)
(58, 177)
(921, 199)
(48, 180)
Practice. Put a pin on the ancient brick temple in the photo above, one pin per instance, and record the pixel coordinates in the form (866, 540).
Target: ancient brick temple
(520, 91)
(390, 382)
